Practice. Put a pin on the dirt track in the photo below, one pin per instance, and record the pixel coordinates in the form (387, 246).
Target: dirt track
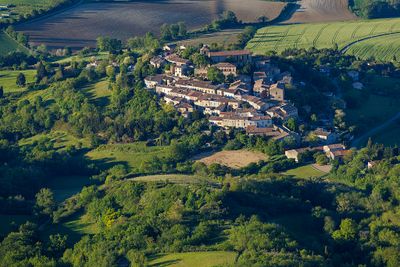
(321, 11)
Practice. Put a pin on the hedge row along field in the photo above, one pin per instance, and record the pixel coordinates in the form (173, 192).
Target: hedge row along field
(377, 38)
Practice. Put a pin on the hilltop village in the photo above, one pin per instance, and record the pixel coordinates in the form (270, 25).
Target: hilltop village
(231, 96)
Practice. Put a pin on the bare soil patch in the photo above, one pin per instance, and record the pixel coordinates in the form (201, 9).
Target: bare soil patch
(233, 158)
(321, 11)
(81, 25)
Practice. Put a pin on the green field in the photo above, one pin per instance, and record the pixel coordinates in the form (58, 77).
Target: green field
(75, 227)
(60, 140)
(99, 92)
(8, 79)
(224, 38)
(174, 178)
(389, 136)
(65, 187)
(131, 155)
(8, 45)
(305, 172)
(78, 58)
(327, 35)
(23, 7)
(195, 259)
(373, 111)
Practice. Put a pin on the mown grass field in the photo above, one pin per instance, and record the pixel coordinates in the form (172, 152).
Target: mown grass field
(305, 172)
(131, 155)
(194, 259)
(328, 35)
(8, 79)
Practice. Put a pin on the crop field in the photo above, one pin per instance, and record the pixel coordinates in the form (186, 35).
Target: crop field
(327, 35)
(8, 79)
(233, 158)
(194, 259)
(322, 11)
(79, 26)
(131, 155)
(383, 48)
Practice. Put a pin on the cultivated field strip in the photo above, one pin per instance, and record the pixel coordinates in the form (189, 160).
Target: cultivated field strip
(327, 35)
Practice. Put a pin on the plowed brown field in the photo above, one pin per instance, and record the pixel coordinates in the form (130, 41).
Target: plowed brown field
(81, 25)
(321, 11)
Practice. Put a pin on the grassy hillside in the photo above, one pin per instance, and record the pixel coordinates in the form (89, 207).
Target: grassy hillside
(8, 45)
(8, 79)
(195, 259)
(328, 35)
(26, 8)
(131, 155)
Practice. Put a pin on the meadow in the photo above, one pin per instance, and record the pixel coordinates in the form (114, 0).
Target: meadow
(8, 45)
(131, 155)
(99, 92)
(305, 172)
(224, 37)
(194, 259)
(8, 79)
(344, 35)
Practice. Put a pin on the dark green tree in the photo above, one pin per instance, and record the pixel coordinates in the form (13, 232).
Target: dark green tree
(21, 80)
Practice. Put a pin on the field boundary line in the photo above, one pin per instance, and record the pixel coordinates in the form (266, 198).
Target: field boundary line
(392, 26)
(374, 28)
(282, 38)
(353, 34)
(319, 34)
(296, 43)
(337, 33)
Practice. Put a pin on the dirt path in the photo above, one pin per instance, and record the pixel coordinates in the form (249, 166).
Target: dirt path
(356, 142)
(322, 11)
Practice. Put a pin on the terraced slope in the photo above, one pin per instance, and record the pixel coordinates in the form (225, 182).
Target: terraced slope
(353, 35)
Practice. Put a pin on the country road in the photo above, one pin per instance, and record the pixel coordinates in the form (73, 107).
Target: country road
(356, 142)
